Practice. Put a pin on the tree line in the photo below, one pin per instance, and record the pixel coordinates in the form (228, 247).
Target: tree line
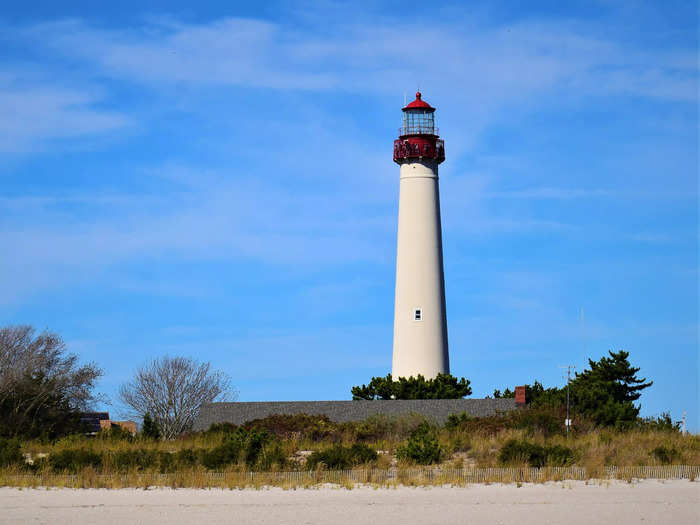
(44, 389)
(604, 393)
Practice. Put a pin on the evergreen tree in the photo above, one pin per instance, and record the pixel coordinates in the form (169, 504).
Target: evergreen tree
(149, 429)
(606, 392)
(443, 386)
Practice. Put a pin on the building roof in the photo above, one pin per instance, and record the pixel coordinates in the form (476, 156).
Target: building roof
(419, 104)
(438, 410)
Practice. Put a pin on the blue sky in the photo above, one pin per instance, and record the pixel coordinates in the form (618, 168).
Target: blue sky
(216, 182)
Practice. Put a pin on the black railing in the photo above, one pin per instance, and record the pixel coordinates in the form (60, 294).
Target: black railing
(416, 129)
(403, 149)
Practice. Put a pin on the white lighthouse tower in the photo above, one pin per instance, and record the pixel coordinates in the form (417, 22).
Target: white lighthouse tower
(420, 322)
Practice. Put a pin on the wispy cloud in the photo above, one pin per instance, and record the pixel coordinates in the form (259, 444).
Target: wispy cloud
(35, 112)
(489, 64)
(492, 67)
(583, 193)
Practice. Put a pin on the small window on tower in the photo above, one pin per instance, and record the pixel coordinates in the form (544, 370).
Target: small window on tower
(417, 314)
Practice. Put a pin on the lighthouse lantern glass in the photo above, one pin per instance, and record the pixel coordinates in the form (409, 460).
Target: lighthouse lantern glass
(418, 122)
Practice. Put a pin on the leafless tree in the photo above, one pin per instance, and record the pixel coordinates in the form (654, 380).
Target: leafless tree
(40, 383)
(171, 390)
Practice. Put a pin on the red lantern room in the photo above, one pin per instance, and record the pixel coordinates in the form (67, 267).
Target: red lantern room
(418, 136)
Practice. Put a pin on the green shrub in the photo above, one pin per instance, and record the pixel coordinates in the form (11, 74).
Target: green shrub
(666, 455)
(459, 443)
(221, 428)
(381, 426)
(362, 453)
(140, 459)
(662, 423)
(116, 433)
(370, 429)
(340, 457)
(271, 456)
(254, 441)
(314, 427)
(545, 420)
(515, 451)
(225, 454)
(149, 428)
(74, 460)
(166, 461)
(455, 421)
(186, 458)
(240, 443)
(422, 447)
(10, 452)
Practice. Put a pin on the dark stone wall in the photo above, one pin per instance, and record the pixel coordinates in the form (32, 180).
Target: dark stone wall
(340, 411)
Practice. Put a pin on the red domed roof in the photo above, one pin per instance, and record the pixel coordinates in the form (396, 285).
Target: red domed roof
(419, 104)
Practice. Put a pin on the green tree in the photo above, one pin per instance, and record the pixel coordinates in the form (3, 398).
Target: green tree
(443, 386)
(535, 394)
(43, 389)
(149, 428)
(606, 392)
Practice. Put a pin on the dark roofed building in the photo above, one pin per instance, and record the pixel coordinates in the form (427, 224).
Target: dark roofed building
(437, 410)
(91, 421)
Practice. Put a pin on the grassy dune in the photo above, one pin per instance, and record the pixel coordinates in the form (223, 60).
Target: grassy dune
(408, 451)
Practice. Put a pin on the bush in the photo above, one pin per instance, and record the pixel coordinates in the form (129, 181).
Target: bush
(220, 428)
(254, 441)
(422, 447)
(666, 455)
(225, 454)
(663, 423)
(140, 459)
(340, 457)
(545, 421)
(314, 427)
(186, 458)
(149, 428)
(240, 443)
(166, 461)
(381, 426)
(271, 456)
(515, 451)
(74, 460)
(455, 421)
(116, 433)
(10, 452)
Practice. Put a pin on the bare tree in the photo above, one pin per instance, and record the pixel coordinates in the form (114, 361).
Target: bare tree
(171, 390)
(42, 387)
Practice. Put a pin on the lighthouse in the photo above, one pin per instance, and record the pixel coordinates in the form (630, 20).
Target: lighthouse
(420, 320)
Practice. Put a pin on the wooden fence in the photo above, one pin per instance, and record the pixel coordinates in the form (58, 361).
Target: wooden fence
(415, 476)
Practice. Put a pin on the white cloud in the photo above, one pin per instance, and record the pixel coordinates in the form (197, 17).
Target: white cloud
(34, 112)
(480, 70)
(457, 58)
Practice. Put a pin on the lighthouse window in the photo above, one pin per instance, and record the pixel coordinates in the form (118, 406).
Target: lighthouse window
(415, 122)
(417, 314)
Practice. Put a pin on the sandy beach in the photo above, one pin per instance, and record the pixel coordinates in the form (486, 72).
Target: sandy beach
(648, 502)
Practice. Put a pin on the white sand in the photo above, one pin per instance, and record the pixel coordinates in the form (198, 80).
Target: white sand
(667, 502)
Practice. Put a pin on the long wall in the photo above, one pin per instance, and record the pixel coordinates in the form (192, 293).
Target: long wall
(341, 411)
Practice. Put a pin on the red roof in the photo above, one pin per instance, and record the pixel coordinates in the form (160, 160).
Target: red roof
(418, 103)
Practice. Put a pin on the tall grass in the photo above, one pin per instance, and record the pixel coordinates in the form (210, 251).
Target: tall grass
(226, 455)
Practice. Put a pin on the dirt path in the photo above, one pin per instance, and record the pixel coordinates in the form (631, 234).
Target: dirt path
(571, 503)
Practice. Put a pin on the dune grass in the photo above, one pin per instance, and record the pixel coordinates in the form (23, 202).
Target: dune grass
(276, 451)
